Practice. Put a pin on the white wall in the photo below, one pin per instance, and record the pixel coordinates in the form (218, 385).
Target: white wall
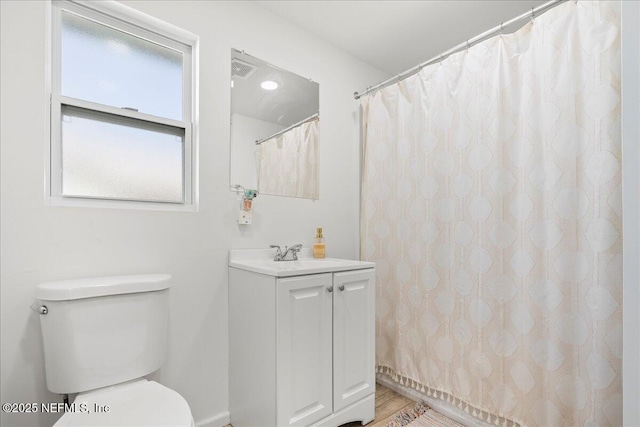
(630, 15)
(41, 243)
(245, 131)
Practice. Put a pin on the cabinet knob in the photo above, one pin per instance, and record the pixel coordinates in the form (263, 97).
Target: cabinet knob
(341, 287)
(329, 288)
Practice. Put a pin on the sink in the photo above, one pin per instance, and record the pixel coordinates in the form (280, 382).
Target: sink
(261, 261)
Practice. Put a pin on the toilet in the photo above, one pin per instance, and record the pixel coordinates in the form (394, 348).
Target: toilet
(101, 336)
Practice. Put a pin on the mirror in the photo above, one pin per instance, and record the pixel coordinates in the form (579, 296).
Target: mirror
(274, 129)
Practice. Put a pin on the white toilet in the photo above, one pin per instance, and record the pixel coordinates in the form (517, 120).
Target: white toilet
(101, 336)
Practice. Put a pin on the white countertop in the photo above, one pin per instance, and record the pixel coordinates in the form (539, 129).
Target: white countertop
(261, 261)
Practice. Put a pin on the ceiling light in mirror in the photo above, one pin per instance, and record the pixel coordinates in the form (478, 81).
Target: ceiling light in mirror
(269, 85)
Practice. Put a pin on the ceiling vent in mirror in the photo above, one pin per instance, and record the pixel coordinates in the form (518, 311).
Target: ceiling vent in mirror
(242, 69)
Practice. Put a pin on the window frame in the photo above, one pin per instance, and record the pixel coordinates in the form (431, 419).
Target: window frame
(129, 21)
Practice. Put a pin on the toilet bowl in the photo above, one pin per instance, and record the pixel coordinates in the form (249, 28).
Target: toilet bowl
(135, 403)
(101, 336)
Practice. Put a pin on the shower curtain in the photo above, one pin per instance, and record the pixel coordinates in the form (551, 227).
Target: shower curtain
(288, 163)
(491, 204)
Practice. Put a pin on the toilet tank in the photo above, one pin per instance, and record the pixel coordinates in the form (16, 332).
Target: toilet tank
(103, 331)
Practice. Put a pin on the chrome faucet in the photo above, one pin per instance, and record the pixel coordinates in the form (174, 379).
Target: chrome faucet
(282, 256)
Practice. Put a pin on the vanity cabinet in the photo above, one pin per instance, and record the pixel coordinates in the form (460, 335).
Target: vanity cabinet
(302, 348)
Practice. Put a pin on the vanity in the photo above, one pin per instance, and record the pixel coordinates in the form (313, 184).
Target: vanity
(301, 340)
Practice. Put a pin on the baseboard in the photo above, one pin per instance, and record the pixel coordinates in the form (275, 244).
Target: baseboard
(438, 405)
(220, 420)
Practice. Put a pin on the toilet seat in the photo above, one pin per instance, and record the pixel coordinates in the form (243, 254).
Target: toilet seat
(135, 403)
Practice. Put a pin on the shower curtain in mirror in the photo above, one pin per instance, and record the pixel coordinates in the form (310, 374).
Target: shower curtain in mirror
(288, 163)
(491, 204)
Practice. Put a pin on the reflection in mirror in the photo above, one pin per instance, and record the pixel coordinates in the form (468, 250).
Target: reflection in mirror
(274, 129)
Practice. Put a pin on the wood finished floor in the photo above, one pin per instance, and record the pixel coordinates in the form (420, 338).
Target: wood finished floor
(388, 402)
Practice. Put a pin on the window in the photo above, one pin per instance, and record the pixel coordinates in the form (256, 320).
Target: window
(122, 109)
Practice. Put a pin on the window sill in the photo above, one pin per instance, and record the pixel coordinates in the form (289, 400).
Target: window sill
(74, 202)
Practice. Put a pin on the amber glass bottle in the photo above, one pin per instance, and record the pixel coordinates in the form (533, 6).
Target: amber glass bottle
(318, 244)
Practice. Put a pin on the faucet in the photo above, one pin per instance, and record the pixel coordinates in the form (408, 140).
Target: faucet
(282, 256)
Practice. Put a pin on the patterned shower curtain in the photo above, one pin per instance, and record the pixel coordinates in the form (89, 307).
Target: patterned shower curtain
(491, 203)
(288, 163)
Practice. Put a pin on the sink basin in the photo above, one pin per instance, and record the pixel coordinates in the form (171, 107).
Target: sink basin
(261, 261)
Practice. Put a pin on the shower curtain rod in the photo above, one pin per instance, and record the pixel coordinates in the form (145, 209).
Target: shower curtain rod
(260, 141)
(498, 29)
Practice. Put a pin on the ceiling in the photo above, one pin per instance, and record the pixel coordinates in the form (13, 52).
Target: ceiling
(394, 36)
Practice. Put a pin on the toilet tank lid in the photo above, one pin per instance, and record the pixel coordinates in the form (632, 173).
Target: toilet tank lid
(63, 290)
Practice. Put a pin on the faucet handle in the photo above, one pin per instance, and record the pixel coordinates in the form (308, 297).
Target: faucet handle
(294, 251)
(278, 256)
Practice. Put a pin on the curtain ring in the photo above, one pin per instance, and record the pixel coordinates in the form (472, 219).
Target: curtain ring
(468, 45)
(501, 27)
(533, 13)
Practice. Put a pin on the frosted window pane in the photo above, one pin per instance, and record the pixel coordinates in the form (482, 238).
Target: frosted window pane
(107, 66)
(115, 158)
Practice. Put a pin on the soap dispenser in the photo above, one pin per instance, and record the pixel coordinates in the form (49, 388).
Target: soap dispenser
(318, 244)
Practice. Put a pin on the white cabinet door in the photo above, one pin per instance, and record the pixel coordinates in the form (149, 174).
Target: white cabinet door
(304, 357)
(353, 337)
